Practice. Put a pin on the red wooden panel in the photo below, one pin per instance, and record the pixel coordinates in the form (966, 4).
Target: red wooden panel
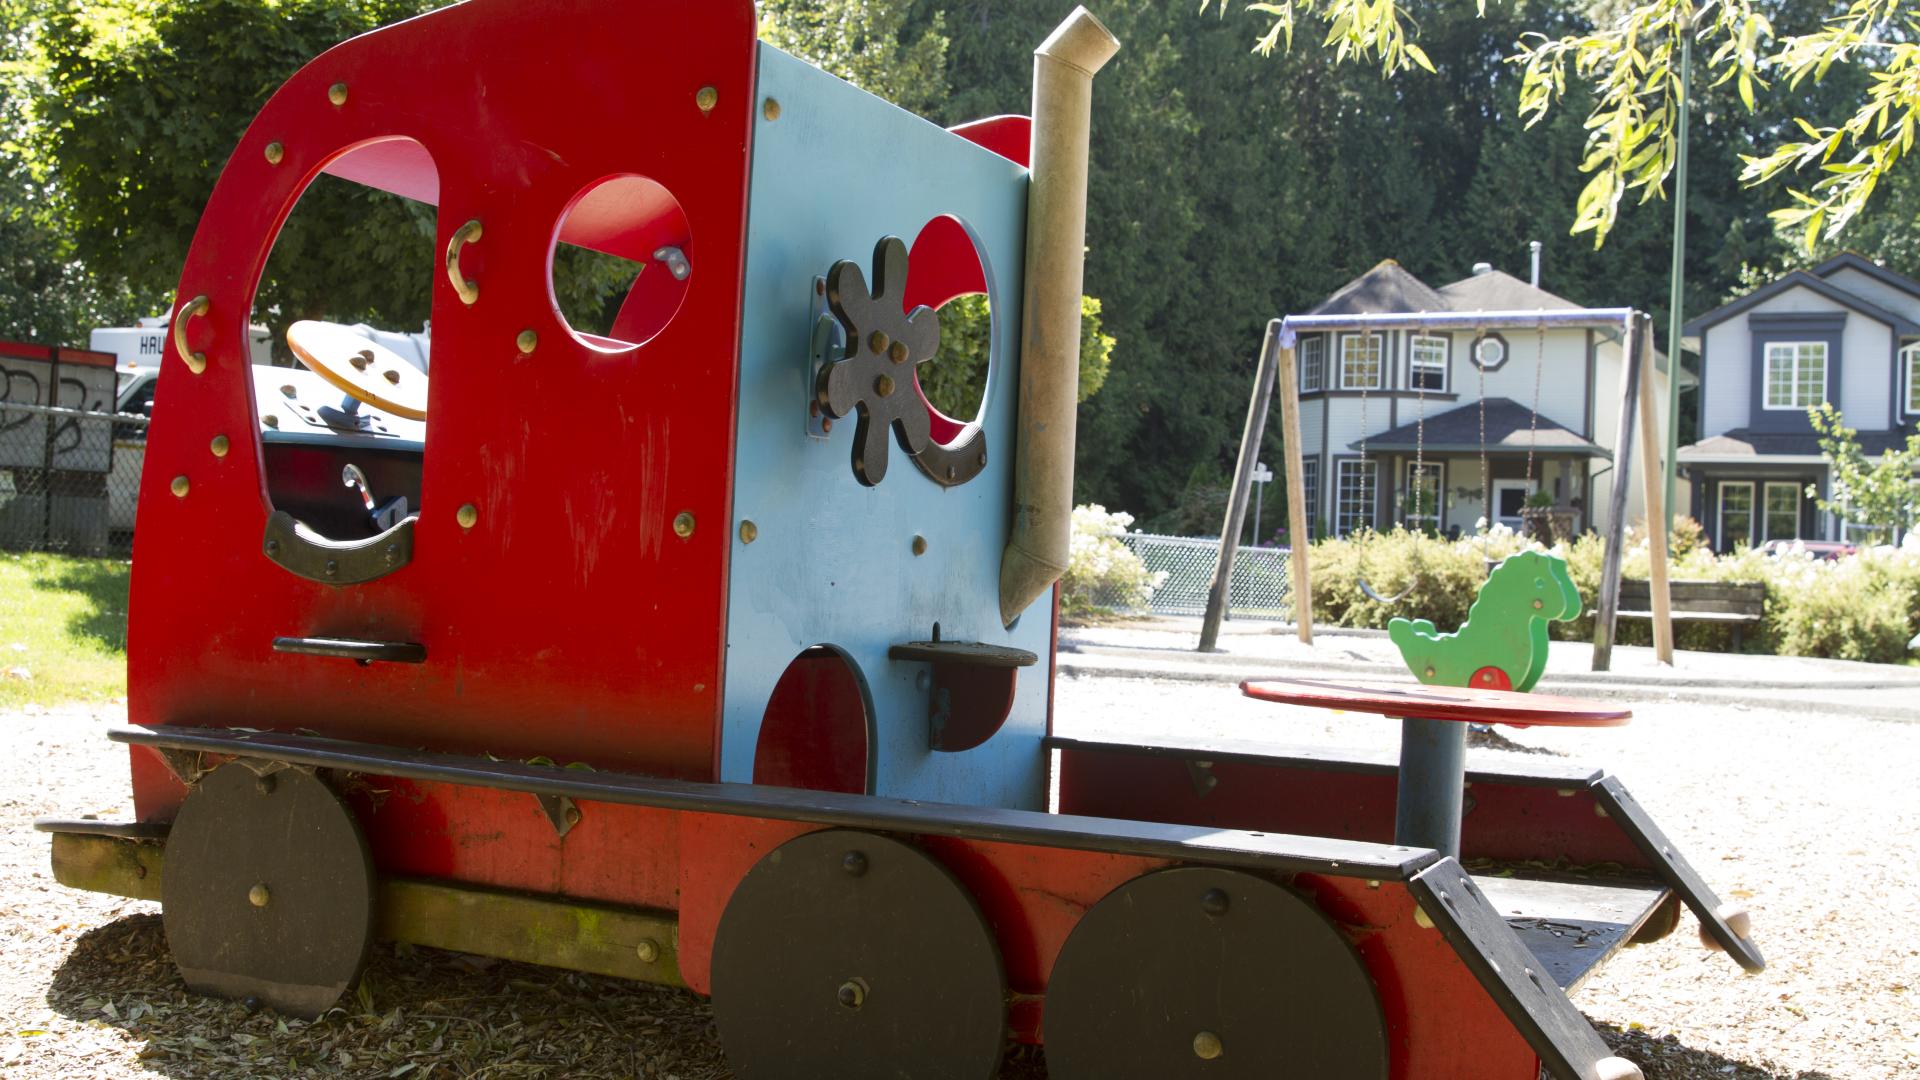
(1503, 821)
(1009, 135)
(570, 621)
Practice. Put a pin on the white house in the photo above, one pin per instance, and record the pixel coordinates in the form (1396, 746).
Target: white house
(1391, 418)
(1846, 332)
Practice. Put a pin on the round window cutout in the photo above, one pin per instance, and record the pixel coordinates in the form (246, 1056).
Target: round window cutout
(946, 271)
(620, 263)
(1490, 351)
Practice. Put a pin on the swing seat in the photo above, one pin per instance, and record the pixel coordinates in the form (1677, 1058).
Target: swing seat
(1375, 596)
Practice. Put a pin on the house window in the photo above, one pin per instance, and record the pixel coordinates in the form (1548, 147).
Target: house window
(1796, 374)
(1310, 480)
(1910, 362)
(1736, 514)
(1353, 498)
(1490, 351)
(1313, 363)
(1421, 505)
(1360, 366)
(1427, 363)
(1782, 520)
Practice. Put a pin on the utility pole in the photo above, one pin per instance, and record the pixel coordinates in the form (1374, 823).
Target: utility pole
(1676, 300)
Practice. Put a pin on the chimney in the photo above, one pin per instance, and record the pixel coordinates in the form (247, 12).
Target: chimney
(1535, 245)
(1482, 268)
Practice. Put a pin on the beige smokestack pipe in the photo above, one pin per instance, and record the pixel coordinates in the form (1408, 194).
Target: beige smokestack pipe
(1063, 70)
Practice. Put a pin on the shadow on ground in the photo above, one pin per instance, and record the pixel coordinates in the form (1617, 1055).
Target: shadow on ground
(418, 1013)
(103, 583)
(1667, 1058)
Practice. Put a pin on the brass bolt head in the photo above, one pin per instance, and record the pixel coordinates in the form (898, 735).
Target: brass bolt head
(683, 524)
(258, 895)
(852, 993)
(749, 532)
(1429, 672)
(527, 341)
(707, 98)
(1206, 1046)
(919, 545)
(392, 376)
(770, 109)
(878, 342)
(180, 487)
(883, 386)
(826, 424)
(648, 950)
(467, 516)
(275, 152)
(219, 446)
(1538, 604)
(337, 93)
(898, 352)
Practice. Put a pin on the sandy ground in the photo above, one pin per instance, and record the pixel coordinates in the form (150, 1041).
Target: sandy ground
(1810, 818)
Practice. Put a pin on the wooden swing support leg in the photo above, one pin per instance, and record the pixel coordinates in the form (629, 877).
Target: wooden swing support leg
(1299, 514)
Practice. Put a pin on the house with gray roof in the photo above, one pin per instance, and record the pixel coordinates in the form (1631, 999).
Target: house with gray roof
(1847, 332)
(1439, 429)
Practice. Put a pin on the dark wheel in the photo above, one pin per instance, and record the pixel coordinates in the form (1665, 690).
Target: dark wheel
(268, 890)
(1200, 972)
(857, 957)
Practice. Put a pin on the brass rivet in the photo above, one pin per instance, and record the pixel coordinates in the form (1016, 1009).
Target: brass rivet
(852, 993)
(1421, 919)
(527, 341)
(771, 109)
(337, 93)
(275, 152)
(683, 524)
(898, 353)
(826, 424)
(392, 376)
(648, 951)
(878, 341)
(1429, 673)
(707, 98)
(883, 386)
(467, 516)
(219, 446)
(180, 486)
(1206, 1046)
(258, 895)
(287, 390)
(749, 532)
(1538, 604)
(919, 545)
(271, 421)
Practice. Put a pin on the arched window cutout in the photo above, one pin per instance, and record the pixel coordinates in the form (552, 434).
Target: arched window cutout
(620, 263)
(814, 734)
(946, 263)
(346, 468)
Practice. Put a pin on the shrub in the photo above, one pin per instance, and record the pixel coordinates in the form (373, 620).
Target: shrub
(1862, 608)
(1103, 574)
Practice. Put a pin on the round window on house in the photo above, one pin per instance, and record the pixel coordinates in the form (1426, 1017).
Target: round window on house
(1490, 351)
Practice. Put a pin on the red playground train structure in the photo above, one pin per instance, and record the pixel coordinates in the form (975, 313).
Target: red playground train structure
(705, 651)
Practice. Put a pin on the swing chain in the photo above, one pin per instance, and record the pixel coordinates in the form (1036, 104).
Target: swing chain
(1533, 419)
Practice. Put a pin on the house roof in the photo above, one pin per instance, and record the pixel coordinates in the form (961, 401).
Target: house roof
(1745, 442)
(1510, 430)
(1497, 290)
(1799, 279)
(1386, 287)
(1856, 261)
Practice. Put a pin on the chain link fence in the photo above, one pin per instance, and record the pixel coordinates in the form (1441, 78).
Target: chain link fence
(69, 479)
(1181, 570)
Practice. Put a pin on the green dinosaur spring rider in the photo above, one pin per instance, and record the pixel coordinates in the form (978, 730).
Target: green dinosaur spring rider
(1503, 643)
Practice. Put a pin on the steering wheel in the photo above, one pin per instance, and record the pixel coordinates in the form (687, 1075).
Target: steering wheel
(365, 370)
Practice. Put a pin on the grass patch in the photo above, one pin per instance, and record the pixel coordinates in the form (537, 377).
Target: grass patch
(63, 629)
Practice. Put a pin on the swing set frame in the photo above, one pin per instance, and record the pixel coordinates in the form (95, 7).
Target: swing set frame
(1277, 371)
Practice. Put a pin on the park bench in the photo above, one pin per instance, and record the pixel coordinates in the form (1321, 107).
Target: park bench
(1736, 603)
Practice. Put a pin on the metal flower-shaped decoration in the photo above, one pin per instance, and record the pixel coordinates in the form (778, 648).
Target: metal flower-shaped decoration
(884, 345)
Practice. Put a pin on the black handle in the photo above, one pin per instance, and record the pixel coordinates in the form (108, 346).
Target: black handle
(366, 652)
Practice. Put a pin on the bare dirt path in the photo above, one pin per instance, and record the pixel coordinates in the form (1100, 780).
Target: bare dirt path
(1810, 819)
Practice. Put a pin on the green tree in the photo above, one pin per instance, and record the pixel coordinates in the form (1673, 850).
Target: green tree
(1883, 494)
(956, 378)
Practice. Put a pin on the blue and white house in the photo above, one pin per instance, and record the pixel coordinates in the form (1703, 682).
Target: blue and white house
(1846, 332)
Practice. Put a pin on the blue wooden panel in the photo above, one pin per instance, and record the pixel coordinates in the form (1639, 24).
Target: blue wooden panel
(833, 561)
